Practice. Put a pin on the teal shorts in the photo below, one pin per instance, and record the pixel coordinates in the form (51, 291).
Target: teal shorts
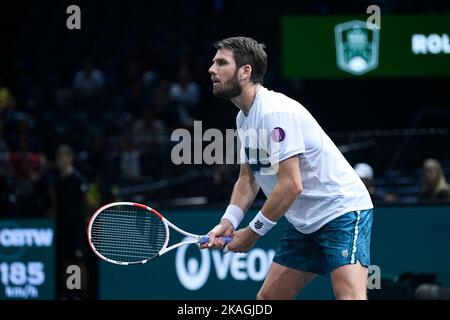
(344, 240)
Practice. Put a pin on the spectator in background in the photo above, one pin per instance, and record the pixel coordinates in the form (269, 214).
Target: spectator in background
(15, 122)
(149, 135)
(29, 183)
(89, 82)
(88, 85)
(185, 94)
(7, 100)
(149, 83)
(69, 190)
(365, 172)
(434, 185)
(161, 104)
(27, 164)
(94, 156)
(149, 131)
(128, 160)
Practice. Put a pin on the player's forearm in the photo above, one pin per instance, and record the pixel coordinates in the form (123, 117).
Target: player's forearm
(244, 192)
(280, 200)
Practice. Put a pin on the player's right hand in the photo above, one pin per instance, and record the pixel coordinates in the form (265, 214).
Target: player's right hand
(223, 229)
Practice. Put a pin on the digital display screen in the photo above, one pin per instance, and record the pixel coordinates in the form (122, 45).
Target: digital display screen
(26, 259)
(345, 46)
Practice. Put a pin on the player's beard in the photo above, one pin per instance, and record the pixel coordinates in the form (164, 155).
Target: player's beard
(230, 89)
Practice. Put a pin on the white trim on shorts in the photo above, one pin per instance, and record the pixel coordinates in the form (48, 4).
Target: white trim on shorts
(358, 216)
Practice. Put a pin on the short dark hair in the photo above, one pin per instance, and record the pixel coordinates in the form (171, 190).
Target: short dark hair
(247, 51)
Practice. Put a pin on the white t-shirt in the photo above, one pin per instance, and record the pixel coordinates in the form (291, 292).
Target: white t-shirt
(278, 127)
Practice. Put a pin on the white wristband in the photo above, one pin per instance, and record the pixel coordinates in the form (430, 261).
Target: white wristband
(260, 224)
(234, 214)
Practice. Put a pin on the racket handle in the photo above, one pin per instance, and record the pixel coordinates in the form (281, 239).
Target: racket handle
(204, 239)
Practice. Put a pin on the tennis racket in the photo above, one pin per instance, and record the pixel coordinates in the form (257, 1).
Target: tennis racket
(128, 233)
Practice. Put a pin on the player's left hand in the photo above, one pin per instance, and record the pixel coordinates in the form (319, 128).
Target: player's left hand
(243, 240)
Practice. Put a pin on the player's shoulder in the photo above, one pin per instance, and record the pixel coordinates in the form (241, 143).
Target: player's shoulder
(277, 102)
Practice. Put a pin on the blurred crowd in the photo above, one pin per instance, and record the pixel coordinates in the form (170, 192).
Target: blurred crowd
(113, 92)
(129, 144)
(433, 186)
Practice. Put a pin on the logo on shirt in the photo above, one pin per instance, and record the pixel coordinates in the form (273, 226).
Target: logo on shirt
(278, 134)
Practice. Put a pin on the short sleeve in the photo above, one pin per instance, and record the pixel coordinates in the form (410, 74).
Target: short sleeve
(281, 136)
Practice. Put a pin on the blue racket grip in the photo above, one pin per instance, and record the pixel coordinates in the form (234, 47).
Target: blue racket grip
(205, 239)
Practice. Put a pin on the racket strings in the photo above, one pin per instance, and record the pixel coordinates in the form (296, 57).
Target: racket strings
(128, 234)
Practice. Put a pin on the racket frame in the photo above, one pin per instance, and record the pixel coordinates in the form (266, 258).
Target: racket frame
(195, 238)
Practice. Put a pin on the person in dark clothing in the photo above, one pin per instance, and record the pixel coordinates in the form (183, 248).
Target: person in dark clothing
(69, 190)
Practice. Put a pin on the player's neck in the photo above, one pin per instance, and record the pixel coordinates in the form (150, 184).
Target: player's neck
(245, 100)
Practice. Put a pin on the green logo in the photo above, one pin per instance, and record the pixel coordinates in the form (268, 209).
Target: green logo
(356, 47)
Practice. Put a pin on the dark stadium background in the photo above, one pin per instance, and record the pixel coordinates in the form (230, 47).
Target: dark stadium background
(394, 124)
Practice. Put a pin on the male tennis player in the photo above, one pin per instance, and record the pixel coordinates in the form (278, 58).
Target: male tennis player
(304, 177)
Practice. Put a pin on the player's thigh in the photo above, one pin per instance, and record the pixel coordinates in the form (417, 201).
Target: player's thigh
(350, 282)
(346, 240)
(346, 243)
(283, 283)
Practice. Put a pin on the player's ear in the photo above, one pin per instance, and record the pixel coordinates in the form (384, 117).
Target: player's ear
(245, 72)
